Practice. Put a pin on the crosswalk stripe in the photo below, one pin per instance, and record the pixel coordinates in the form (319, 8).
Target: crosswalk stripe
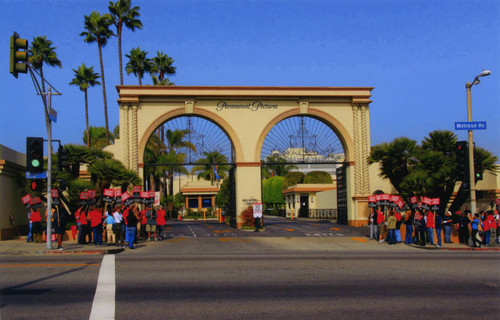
(103, 306)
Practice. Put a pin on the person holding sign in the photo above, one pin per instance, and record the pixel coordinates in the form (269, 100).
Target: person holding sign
(59, 217)
(36, 229)
(430, 224)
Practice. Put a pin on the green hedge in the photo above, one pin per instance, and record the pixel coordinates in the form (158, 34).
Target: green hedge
(293, 178)
(316, 177)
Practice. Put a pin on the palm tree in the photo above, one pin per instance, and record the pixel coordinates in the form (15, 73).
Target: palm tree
(163, 65)
(206, 166)
(97, 27)
(275, 165)
(85, 77)
(123, 13)
(175, 141)
(138, 63)
(43, 52)
(98, 137)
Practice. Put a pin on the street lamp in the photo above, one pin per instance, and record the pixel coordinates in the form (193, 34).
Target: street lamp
(472, 181)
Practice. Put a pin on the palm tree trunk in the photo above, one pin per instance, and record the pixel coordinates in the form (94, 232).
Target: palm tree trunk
(139, 75)
(104, 92)
(87, 118)
(119, 31)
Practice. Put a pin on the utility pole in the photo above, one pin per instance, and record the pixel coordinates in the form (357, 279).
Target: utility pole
(48, 122)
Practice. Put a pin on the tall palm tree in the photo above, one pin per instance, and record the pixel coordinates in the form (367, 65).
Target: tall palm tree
(43, 52)
(163, 65)
(97, 30)
(85, 78)
(123, 13)
(138, 63)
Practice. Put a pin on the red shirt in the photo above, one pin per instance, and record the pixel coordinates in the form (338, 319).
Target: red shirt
(35, 216)
(142, 215)
(160, 217)
(398, 216)
(95, 218)
(380, 217)
(431, 223)
(83, 218)
(125, 214)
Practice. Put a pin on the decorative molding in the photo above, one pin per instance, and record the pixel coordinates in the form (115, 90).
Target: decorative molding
(189, 106)
(303, 105)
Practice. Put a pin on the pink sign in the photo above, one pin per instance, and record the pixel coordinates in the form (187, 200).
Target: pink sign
(109, 193)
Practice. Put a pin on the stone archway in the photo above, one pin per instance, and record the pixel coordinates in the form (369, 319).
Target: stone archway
(246, 114)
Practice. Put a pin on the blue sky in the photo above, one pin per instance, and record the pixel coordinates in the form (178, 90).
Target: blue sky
(417, 54)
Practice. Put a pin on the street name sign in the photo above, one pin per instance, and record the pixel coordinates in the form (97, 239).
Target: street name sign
(41, 175)
(470, 125)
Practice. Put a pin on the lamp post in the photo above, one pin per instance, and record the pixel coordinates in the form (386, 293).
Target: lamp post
(472, 181)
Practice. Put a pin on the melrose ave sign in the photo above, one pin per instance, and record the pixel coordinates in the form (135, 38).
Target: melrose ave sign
(253, 106)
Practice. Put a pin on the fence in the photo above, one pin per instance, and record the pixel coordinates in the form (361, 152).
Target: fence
(330, 214)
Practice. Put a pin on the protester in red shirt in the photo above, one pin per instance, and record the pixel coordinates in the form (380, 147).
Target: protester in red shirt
(84, 227)
(96, 225)
(381, 227)
(430, 224)
(36, 228)
(160, 221)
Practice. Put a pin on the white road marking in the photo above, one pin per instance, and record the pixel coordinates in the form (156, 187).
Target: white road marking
(104, 299)
(194, 234)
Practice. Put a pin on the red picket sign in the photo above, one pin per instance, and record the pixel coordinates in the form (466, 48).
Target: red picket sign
(372, 199)
(109, 193)
(54, 193)
(26, 199)
(84, 195)
(118, 193)
(92, 194)
(136, 189)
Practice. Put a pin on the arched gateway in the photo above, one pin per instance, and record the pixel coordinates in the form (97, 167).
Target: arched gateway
(246, 115)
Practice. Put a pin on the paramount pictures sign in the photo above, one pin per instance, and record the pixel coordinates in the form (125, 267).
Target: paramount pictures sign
(253, 106)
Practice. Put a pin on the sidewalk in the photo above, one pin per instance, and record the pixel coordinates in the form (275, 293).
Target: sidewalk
(16, 247)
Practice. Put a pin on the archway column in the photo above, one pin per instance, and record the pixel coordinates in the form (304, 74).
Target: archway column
(248, 186)
(360, 174)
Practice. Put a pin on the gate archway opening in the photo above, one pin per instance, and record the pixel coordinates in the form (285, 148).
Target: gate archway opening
(310, 147)
(194, 155)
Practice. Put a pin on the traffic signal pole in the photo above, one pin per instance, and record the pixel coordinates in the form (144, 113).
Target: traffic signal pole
(472, 182)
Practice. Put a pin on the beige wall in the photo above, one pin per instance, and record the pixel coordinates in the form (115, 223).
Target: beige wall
(12, 167)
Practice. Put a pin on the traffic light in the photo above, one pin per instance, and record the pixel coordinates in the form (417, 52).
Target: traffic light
(462, 153)
(34, 154)
(62, 157)
(478, 170)
(18, 57)
(36, 185)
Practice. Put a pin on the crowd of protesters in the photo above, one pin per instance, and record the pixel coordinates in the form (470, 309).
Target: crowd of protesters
(118, 226)
(121, 225)
(421, 226)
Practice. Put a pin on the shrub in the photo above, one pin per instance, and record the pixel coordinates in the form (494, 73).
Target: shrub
(293, 178)
(318, 177)
(247, 217)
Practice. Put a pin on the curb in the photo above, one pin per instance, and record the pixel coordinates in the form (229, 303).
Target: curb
(78, 252)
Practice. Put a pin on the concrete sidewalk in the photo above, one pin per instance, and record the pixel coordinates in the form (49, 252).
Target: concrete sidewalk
(19, 246)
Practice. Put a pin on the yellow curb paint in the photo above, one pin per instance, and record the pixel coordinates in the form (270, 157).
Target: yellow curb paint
(222, 231)
(289, 230)
(360, 239)
(176, 239)
(336, 229)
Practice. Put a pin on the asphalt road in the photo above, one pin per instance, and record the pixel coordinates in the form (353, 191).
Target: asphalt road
(257, 277)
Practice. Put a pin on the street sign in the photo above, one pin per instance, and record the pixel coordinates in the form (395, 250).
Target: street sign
(53, 115)
(470, 125)
(40, 175)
